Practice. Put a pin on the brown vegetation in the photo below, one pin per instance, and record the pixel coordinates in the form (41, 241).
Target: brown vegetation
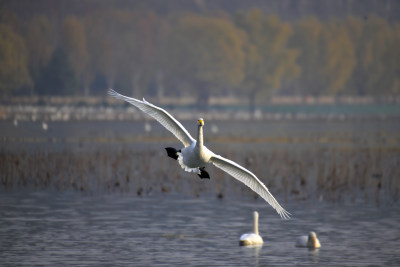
(328, 174)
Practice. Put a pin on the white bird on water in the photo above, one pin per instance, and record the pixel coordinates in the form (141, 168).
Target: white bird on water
(310, 241)
(252, 239)
(194, 156)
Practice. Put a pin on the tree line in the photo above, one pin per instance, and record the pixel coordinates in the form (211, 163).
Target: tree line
(246, 54)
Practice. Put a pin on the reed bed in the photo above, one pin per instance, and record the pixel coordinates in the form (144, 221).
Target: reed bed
(307, 174)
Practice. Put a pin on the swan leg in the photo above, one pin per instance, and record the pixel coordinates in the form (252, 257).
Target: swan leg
(172, 152)
(203, 174)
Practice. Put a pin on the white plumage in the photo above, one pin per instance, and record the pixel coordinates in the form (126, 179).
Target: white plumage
(195, 155)
(310, 241)
(252, 239)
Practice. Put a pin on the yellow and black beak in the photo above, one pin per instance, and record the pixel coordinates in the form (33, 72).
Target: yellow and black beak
(201, 122)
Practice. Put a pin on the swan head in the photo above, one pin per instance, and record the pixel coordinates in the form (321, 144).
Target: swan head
(312, 235)
(313, 242)
(201, 122)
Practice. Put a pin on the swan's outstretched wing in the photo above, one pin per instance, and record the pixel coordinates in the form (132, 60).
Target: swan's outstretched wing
(249, 179)
(160, 115)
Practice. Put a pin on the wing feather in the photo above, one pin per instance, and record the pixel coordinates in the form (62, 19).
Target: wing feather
(249, 179)
(162, 116)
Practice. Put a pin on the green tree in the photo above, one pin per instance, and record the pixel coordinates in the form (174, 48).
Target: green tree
(14, 73)
(377, 46)
(125, 47)
(139, 43)
(394, 65)
(101, 53)
(58, 77)
(269, 61)
(9, 18)
(355, 27)
(205, 53)
(338, 58)
(307, 39)
(40, 42)
(73, 43)
(119, 30)
(327, 56)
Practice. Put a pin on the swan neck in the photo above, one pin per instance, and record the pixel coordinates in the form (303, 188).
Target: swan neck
(200, 136)
(312, 242)
(255, 214)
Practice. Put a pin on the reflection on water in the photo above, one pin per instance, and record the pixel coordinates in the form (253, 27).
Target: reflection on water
(53, 228)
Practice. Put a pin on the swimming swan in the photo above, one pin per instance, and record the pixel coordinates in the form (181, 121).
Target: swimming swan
(310, 241)
(194, 156)
(252, 239)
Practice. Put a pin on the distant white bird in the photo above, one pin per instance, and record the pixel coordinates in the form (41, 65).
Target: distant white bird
(310, 241)
(252, 239)
(194, 156)
(147, 127)
(45, 127)
(214, 129)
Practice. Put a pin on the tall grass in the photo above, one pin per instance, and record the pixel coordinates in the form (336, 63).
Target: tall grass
(323, 174)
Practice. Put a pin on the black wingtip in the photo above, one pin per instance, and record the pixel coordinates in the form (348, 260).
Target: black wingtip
(172, 152)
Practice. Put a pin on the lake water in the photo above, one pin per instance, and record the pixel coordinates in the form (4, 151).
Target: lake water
(48, 228)
(43, 222)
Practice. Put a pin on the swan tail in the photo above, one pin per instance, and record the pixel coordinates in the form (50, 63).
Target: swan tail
(186, 168)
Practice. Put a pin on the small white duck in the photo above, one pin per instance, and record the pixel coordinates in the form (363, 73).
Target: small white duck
(310, 241)
(252, 239)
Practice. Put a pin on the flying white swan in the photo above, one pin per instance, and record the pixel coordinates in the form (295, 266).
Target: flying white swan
(310, 241)
(252, 239)
(194, 156)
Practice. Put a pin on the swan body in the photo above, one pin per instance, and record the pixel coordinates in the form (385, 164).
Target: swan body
(194, 156)
(252, 239)
(310, 241)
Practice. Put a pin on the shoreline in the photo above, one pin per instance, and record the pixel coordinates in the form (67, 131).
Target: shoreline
(130, 113)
